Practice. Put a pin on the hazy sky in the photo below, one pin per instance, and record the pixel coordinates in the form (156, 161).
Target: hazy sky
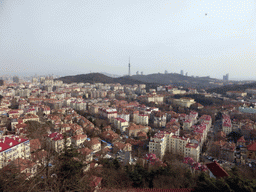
(69, 37)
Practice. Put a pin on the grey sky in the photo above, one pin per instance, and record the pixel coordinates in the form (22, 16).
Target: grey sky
(74, 37)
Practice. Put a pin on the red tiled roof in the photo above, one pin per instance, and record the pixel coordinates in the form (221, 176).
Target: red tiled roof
(35, 144)
(217, 170)
(10, 141)
(251, 147)
(56, 136)
(241, 139)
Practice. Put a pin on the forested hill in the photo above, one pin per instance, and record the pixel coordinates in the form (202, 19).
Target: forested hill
(224, 89)
(98, 78)
(151, 80)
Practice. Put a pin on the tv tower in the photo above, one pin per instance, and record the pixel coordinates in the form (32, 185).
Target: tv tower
(129, 67)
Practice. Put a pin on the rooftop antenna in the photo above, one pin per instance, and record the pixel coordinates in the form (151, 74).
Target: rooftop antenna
(129, 66)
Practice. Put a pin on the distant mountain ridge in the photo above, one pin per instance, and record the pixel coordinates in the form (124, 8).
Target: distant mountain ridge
(151, 80)
(174, 78)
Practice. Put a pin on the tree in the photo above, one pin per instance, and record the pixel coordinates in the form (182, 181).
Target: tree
(232, 183)
(70, 167)
(215, 150)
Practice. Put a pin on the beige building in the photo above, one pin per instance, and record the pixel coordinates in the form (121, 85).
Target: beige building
(94, 144)
(78, 140)
(236, 93)
(141, 119)
(187, 124)
(155, 98)
(184, 102)
(87, 154)
(55, 141)
(119, 146)
(192, 150)
(121, 124)
(226, 124)
(30, 117)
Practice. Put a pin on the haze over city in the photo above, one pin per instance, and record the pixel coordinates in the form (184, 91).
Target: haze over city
(76, 37)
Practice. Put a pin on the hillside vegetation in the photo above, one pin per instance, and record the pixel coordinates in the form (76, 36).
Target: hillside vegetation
(224, 89)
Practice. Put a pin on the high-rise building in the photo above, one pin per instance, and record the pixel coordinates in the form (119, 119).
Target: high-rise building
(181, 72)
(16, 79)
(137, 73)
(34, 80)
(165, 71)
(225, 77)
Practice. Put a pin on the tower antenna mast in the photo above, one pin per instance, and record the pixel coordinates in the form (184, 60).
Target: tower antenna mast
(129, 66)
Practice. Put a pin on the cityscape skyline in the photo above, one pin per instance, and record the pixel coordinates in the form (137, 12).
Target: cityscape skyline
(203, 38)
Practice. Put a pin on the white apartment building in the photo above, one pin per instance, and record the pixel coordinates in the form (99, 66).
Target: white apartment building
(177, 144)
(192, 150)
(13, 147)
(109, 113)
(121, 124)
(165, 141)
(141, 119)
(124, 116)
(158, 143)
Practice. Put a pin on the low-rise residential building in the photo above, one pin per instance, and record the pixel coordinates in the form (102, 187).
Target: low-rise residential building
(134, 129)
(216, 171)
(241, 142)
(155, 98)
(78, 140)
(236, 93)
(76, 129)
(109, 136)
(226, 124)
(119, 146)
(87, 154)
(184, 102)
(30, 117)
(25, 166)
(251, 151)
(121, 124)
(55, 141)
(228, 151)
(159, 118)
(109, 113)
(94, 144)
